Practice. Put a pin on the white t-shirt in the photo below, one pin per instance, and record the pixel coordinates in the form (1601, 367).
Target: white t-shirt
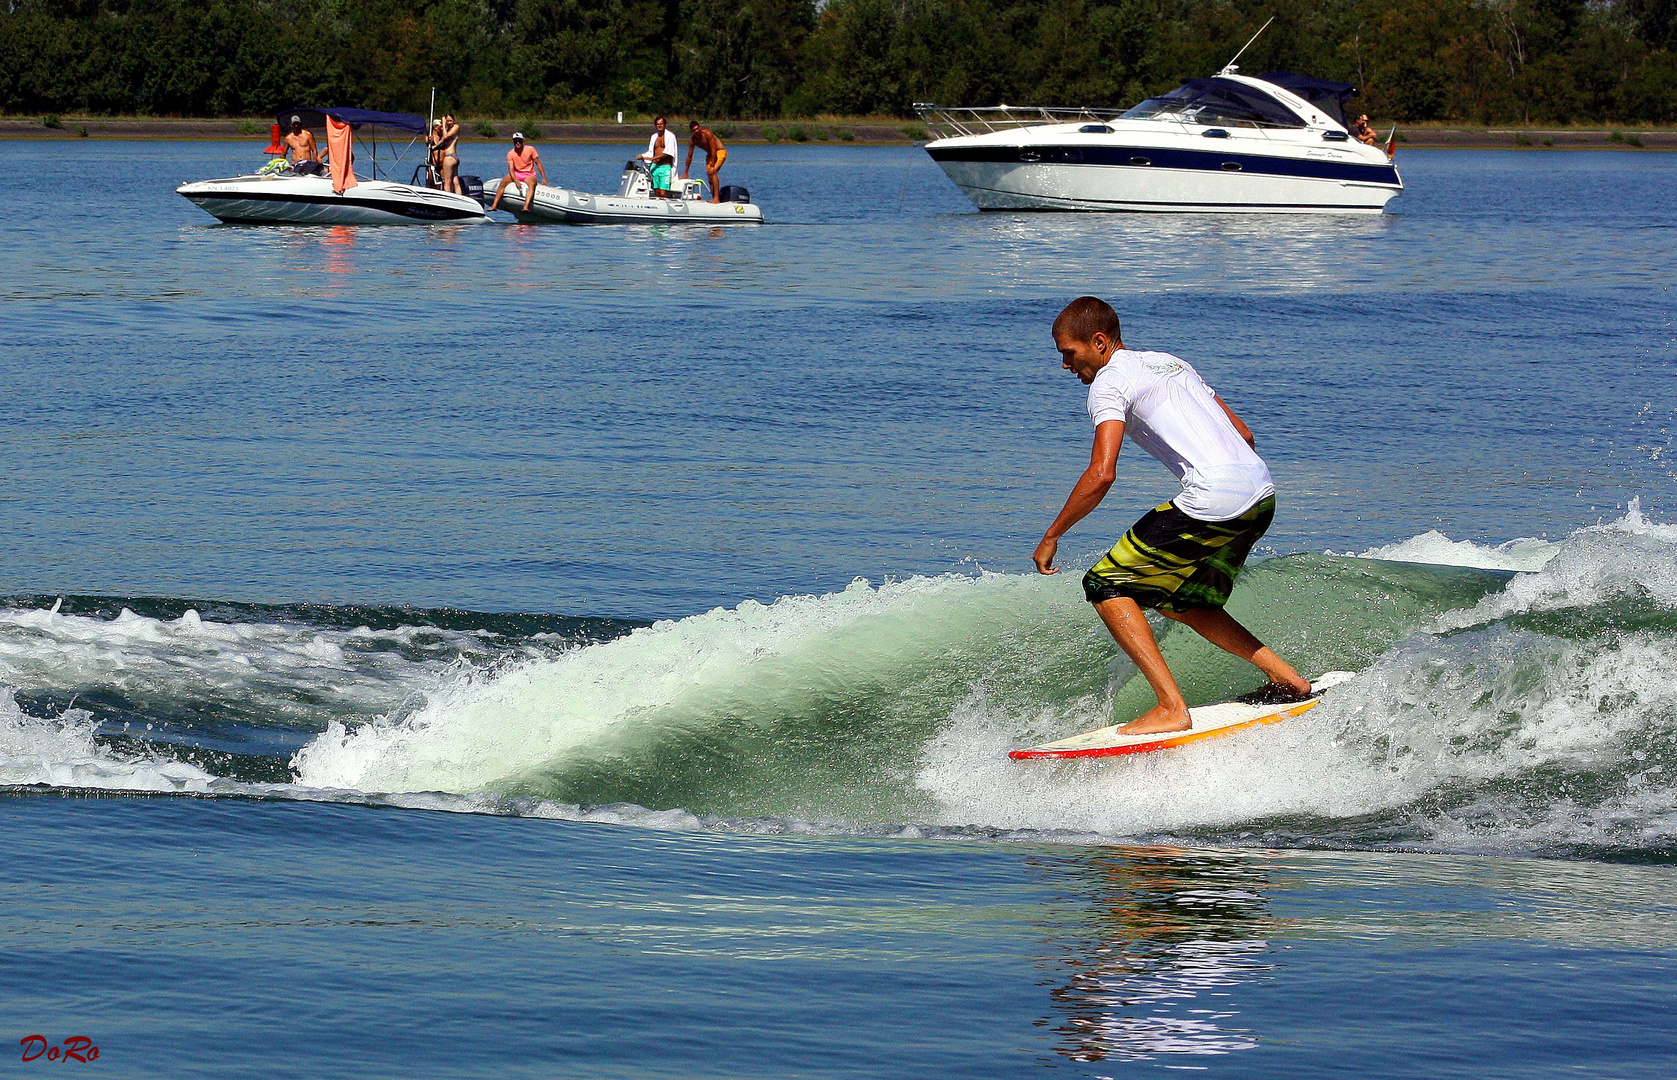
(1170, 413)
(671, 147)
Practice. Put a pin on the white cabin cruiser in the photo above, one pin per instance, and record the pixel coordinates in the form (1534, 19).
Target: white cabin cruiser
(1227, 144)
(633, 203)
(280, 194)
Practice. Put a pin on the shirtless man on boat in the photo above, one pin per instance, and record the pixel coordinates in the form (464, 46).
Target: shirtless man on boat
(523, 163)
(702, 138)
(301, 149)
(1182, 558)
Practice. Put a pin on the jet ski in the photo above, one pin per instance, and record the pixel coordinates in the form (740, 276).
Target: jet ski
(633, 203)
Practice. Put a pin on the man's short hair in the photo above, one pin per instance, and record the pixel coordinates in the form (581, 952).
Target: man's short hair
(1085, 317)
(655, 119)
(692, 123)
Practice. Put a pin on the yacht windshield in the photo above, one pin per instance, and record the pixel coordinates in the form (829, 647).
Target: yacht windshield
(1217, 102)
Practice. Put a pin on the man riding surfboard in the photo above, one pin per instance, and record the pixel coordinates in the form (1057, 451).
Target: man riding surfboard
(1181, 558)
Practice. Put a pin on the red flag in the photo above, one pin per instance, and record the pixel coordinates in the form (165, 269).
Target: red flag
(1391, 144)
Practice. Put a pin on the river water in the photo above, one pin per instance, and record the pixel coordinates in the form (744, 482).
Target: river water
(507, 651)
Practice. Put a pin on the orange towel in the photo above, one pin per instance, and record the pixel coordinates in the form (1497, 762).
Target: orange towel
(340, 144)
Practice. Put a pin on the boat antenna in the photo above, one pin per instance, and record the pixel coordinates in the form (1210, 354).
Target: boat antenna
(1229, 68)
(430, 171)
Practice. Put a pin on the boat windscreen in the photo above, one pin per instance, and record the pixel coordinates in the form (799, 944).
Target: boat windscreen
(1215, 102)
(316, 118)
(1329, 96)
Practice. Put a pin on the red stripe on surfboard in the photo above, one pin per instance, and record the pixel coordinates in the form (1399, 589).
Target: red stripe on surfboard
(1171, 739)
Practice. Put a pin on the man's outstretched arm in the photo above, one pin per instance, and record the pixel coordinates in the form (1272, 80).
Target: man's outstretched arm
(1239, 424)
(1090, 489)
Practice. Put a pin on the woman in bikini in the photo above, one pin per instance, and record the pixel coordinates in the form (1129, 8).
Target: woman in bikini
(448, 148)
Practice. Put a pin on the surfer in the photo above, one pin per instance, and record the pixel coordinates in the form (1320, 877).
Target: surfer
(1180, 559)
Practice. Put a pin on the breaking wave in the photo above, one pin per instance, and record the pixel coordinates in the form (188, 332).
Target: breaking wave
(1512, 698)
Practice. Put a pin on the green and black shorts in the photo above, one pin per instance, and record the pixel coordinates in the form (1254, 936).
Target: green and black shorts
(1174, 562)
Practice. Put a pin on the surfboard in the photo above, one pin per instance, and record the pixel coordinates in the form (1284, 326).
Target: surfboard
(1209, 722)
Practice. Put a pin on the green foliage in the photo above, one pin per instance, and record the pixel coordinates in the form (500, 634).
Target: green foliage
(723, 132)
(771, 134)
(1616, 136)
(532, 130)
(51, 120)
(1486, 61)
(81, 133)
(915, 132)
(845, 135)
(249, 127)
(486, 130)
(1522, 139)
(797, 134)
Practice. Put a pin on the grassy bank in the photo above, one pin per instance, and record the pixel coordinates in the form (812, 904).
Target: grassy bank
(830, 131)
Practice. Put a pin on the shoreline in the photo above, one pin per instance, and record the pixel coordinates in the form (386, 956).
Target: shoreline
(871, 131)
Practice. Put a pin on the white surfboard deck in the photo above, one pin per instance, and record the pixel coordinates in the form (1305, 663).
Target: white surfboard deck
(1209, 722)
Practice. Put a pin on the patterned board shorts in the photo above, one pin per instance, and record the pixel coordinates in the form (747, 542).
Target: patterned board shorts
(1174, 562)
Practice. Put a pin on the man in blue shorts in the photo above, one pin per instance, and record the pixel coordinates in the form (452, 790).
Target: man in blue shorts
(1182, 558)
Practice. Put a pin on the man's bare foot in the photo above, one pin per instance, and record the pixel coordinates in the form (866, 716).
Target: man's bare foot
(1277, 693)
(1156, 720)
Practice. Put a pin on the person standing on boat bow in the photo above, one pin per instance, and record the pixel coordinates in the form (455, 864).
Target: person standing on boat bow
(702, 138)
(660, 152)
(523, 163)
(1182, 558)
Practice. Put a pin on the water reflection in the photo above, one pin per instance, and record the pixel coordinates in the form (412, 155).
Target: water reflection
(1153, 942)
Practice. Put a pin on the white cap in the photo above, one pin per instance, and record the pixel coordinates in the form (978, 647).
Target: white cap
(518, 136)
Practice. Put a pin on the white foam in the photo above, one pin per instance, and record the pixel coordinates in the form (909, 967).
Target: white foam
(1628, 558)
(281, 670)
(1434, 548)
(1468, 711)
(62, 752)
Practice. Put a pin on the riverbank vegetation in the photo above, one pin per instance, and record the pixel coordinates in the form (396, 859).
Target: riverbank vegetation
(1475, 61)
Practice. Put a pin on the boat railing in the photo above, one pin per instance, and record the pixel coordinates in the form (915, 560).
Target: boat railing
(947, 122)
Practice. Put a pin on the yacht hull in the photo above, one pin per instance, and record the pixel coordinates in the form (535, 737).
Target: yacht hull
(561, 206)
(309, 200)
(1260, 185)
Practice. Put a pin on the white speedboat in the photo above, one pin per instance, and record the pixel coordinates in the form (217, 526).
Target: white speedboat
(1230, 143)
(633, 203)
(279, 194)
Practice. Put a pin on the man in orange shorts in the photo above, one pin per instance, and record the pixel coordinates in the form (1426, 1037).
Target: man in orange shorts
(715, 154)
(523, 163)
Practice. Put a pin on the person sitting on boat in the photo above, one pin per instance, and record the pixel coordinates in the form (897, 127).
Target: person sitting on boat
(523, 163)
(661, 152)
(715, 154)
(300, 148)
(449, 149)
(1363, 131)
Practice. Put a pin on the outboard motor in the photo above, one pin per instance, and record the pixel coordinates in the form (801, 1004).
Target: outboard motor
(734, 193)
(637, 180)
(472, 187)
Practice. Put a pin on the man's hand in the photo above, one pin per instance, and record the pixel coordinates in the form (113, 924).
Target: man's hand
(1044, 556)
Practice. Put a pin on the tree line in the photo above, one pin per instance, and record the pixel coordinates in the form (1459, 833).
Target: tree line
(1476, 61)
